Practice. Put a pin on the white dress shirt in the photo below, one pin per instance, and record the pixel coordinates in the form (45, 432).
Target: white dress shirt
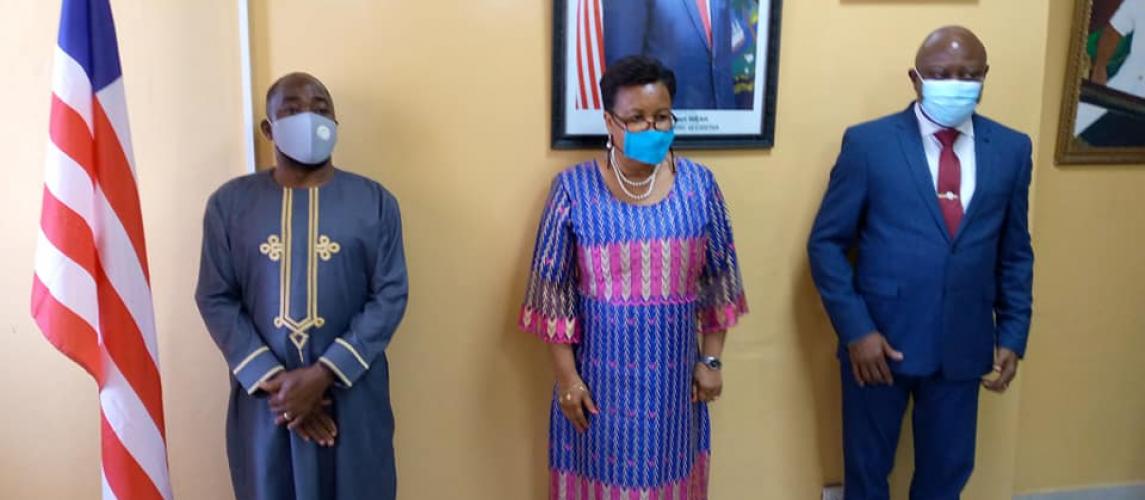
(963, 147)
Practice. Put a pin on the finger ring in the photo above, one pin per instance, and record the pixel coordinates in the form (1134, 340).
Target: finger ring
(286, 415)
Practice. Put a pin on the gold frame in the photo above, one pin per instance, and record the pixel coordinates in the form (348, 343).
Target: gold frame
(1068, 150)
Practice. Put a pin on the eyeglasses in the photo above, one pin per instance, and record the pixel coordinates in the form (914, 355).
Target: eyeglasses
(943, 74)
(662, 122)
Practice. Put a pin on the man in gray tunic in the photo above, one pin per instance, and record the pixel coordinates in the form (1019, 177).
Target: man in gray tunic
(302, 284)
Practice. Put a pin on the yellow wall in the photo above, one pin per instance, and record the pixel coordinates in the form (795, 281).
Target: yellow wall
(449, 107)
(1082, 408)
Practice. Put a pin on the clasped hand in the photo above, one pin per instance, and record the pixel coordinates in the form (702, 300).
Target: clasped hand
(296, 399)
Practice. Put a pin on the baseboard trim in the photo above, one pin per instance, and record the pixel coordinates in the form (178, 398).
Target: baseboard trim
(1116, 492)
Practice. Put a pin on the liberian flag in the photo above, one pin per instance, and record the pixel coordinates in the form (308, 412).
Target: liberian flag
(91, 295)
(589, 53)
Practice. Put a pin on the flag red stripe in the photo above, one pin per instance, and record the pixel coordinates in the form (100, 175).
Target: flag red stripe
(124, 343)
(66, 330)
(69, 132)
(128, 480)
(580, 39)
(591, 67)
(599, 39)
(117, 182)
(69, 232)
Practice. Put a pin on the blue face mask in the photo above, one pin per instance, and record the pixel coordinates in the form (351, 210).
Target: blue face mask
(648, 146)
(950, 102)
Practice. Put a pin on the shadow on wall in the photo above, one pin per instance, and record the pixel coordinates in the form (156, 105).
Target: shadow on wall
(529, 360)
(816, 339)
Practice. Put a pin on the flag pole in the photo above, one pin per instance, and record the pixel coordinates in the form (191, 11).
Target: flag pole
(250, 131)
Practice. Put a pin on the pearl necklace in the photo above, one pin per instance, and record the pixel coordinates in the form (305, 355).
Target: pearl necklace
(624, 182)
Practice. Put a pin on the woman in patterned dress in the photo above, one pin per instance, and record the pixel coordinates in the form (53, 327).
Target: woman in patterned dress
(634, 284)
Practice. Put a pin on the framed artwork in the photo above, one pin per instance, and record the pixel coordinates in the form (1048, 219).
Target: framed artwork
(1103, 107)
(724, 53)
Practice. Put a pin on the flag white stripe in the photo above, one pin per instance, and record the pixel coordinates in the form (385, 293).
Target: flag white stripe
(598, 58)
(594, 47)
(585, 55)
(69, 183)
(133, 425)
(70, 85)
(108, 494)
(69, 284)
(579, 29)
(120, 264)
(114, 104)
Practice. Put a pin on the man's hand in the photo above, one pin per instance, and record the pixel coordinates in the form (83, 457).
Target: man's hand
(869, 359)
(318, 427)
(1006, 366)
(297, 393)
(280, 420)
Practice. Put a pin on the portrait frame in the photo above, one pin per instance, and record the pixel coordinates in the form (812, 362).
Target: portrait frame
(579, 124)
(1080, 92)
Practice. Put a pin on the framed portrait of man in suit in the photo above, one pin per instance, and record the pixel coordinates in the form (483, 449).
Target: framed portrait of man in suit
(1103, 107)
(724, 53)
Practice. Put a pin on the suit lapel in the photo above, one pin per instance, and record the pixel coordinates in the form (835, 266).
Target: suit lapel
(698, 22)
(911, 142)
(984, 156)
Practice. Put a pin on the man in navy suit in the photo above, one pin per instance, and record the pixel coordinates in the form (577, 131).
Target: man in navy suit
(691, 37)
(933, 201)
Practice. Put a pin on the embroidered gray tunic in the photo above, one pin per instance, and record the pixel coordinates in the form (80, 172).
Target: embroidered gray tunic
(293, 277)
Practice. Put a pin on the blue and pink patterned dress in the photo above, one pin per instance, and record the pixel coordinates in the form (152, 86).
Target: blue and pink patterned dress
(631, 287)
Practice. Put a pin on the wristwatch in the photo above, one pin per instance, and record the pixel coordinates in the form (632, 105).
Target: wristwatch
(712, 362)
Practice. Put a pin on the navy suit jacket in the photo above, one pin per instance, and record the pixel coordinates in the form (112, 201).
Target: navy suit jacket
(672, 31)
(944, 302)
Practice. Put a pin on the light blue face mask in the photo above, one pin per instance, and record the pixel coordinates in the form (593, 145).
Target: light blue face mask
(648, 146)
(949, 102)
(307, 138)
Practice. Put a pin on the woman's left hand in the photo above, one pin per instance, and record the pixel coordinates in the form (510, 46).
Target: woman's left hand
(707, 384)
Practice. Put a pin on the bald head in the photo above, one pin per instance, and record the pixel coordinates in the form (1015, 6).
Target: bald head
(950, 42)
(952, 52)
(296, 93)
(949, 53)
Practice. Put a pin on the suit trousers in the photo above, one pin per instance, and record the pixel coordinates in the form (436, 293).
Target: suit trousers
(945, 421)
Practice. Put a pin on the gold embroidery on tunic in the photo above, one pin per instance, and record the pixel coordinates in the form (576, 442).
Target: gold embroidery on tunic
(326, 248)
(272, 248)
(280, 249)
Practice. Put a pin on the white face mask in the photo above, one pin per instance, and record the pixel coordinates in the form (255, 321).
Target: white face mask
(307, 138)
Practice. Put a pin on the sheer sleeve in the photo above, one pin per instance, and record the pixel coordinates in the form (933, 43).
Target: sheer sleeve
(722, 299)
(550, 309)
